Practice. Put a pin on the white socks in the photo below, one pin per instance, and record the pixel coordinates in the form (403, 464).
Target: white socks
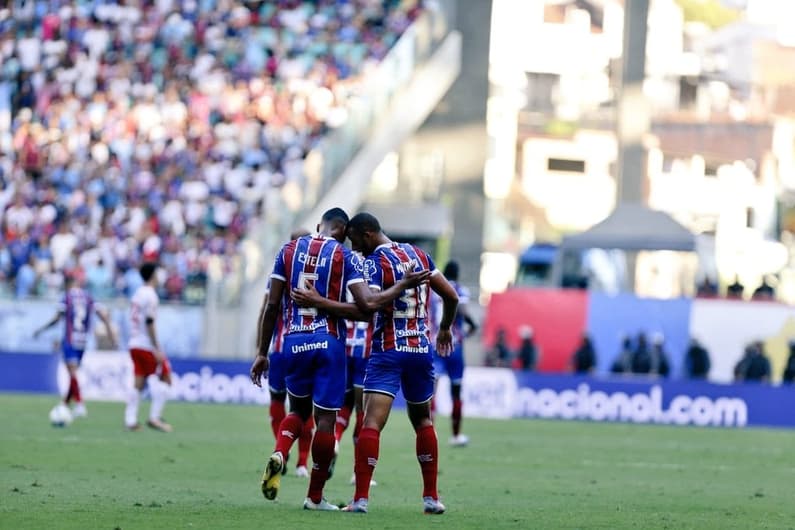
(131, 410)
(159, 392)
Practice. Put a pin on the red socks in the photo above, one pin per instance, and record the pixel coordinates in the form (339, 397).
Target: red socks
(366, 459)
(289, 430)
(305, 442)
(277, 414)
(343, 418)
(74, 391)
(357, 429)
(322, 454)
(457, 416)
(428, 457)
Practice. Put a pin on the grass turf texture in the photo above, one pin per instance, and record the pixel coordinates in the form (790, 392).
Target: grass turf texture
(515, 474)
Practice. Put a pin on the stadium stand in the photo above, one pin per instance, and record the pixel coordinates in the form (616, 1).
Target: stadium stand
(165, 130)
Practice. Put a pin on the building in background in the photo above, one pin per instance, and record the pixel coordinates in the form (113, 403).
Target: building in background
(719, 151)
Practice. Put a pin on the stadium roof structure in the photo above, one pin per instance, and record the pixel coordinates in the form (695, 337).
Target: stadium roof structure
(634, 226)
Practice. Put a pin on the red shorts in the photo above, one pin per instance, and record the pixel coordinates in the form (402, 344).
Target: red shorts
(145, 363)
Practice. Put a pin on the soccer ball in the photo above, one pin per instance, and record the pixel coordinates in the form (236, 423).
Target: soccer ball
(60, 416)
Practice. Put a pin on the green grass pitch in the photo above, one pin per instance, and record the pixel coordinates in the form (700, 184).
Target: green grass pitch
(514, 474)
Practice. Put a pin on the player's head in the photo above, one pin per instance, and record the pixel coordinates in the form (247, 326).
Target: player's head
(451, 270)
(333, 224)
(364, 231)
(298, 232)
(69, 281)
(147, 271)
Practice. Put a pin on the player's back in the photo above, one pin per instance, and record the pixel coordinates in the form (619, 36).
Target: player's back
(324, 263)
(403, 324)
(77, 306)
(143, 307)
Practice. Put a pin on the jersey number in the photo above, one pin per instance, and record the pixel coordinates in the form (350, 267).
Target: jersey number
(307, 279)
(415, 301)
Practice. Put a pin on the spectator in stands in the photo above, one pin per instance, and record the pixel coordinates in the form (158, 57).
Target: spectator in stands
(765, 291)
(660, 365)
(26, 278)
(707, 288)
(641, 356)
(583, 361)
(528, 354)
(623, 361)
(697, 362)
(131, 124)
(788, 377)
(735, 289)
(754, 366)
(500, 354)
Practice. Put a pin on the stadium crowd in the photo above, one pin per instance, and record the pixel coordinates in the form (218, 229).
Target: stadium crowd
(163, 130)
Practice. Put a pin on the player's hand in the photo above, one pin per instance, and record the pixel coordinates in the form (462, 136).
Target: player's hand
(258, 368)
(164, 371)
(414, 278)
(306, 297)
(444, 343)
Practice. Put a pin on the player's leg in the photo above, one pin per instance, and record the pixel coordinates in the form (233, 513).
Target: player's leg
(328, 396)
(344, 415)
(358, 400)
(277, 411)
(381, 384)
(278, 390)
(304, 446)
(144, 365)
(72, 358)
(455, 370)
(288, 433)
(158, 391)
(298, 381)
(417, 383)
(438, 370)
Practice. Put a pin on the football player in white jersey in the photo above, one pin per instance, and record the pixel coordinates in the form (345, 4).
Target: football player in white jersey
(147, 356)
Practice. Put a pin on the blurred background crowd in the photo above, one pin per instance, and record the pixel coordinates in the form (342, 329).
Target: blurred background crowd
(163, 130)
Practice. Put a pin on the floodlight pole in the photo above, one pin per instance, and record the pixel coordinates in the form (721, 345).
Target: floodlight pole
(633, 120)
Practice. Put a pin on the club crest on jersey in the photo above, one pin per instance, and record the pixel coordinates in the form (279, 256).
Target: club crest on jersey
(368, 270)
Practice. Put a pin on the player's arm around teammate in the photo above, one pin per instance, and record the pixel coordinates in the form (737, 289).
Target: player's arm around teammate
(367, 300)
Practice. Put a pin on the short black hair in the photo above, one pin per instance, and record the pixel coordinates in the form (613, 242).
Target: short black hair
(451, 270)
(364, 222)
(335, 214)
(147, 270)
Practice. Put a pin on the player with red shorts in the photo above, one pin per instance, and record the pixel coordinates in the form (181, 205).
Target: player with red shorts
(147, 357)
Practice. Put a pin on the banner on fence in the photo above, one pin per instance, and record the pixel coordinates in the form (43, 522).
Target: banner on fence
(486, 392)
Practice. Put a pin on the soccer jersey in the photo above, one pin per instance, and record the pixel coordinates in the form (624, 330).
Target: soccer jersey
(324, 263)
(435, 310)
(77, 306)
(359, 341)
(402, 325)
(143, 306)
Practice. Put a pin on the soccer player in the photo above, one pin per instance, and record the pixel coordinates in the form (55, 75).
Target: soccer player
(147, 356)
(76, 308)
(357, 347)
(401, 357)
(278, 388)
(314, 343)
(453, 364)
